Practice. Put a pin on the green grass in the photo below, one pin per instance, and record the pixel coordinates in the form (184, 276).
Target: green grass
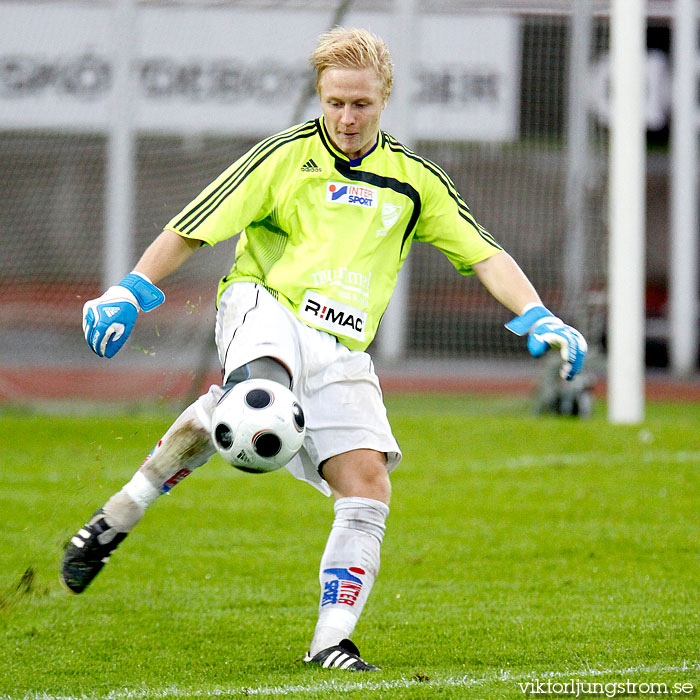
(518, 547)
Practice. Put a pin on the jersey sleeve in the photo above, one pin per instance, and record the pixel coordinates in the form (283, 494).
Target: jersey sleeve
(241, 195)
(447, 223)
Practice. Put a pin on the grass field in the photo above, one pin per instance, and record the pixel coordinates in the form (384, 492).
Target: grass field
(518, 548)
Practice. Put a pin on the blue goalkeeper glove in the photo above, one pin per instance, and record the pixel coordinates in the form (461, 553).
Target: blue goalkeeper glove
(108, 320)
(546, 331)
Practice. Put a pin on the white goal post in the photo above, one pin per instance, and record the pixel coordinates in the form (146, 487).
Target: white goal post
(685, 199)
(627, 184)
(121, 152)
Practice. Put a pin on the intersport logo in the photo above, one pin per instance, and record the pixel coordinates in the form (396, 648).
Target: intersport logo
(357, 195)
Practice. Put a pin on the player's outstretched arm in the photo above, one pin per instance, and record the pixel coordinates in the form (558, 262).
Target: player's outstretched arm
(109, 319)
(504, 279)
(165, 255)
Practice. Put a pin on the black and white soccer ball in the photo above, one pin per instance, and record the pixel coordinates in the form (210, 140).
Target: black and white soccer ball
(258, 426)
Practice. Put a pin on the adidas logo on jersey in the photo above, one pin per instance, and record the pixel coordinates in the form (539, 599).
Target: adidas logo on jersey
(310, 167)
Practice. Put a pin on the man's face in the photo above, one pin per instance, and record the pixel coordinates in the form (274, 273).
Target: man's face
(352, 102)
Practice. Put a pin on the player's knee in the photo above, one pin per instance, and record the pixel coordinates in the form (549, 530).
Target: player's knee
(375, 484)
(260, 368)
(263, 368)
(359, 473)
(203, 407)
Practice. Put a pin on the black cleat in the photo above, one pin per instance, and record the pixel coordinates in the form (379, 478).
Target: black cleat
(345, 655)
(88, 551)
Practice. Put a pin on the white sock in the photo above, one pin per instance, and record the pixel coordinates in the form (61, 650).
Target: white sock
(126, 508)
(349, 566)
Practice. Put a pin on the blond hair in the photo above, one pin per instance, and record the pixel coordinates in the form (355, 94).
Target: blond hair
(353, 48)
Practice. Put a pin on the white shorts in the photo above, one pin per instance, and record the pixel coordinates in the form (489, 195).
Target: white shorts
(336, 387)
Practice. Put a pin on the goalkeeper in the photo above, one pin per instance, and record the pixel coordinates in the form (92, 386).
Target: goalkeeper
(327, 212)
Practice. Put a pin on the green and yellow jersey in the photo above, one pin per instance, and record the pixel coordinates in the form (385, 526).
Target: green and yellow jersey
(327, 235)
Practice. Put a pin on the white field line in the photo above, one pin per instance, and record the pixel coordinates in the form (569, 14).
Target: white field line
(336, 687)
(526, 461)
(605, 458)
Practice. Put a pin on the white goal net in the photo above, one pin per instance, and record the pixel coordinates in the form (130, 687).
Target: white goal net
(502, 110)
